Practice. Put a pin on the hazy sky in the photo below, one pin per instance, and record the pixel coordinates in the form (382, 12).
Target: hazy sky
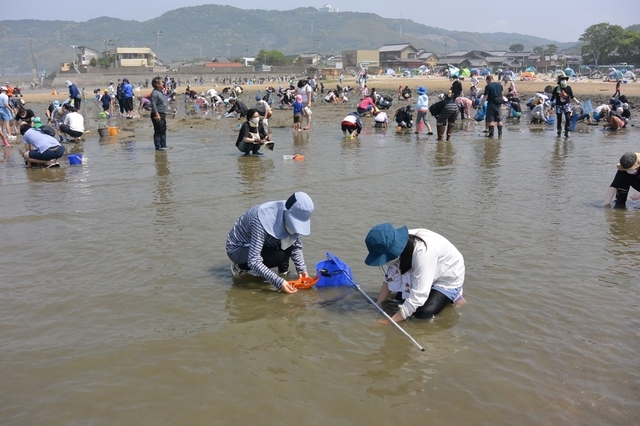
(560, 20)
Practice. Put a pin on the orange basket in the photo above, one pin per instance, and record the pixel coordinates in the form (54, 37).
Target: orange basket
(304, 282)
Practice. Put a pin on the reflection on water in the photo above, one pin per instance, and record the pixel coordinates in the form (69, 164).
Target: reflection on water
(445, 153)
(163, 196)
(556, 169)
(252, 171)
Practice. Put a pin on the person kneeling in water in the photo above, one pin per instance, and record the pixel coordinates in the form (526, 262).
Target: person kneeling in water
(268, 235)
(423, 267)
(628, 175)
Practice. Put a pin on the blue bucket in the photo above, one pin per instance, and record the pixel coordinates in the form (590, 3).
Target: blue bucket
(75, 159)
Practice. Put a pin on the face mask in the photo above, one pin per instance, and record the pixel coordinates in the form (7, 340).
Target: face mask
(255, 120)
(563, 84)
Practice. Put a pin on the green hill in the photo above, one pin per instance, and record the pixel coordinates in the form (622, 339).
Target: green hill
(205, 31)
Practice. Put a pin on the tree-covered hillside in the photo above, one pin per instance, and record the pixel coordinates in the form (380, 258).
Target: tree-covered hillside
(212, 30)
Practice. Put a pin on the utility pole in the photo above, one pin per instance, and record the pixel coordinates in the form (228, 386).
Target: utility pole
(228, 50)
(158, 34)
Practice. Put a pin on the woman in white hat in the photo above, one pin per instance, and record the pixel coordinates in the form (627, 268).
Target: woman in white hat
(423, 267)
(267, 236)
(628, 175)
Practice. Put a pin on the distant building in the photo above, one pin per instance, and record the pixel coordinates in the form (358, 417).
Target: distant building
(135, 57)
(399, 55)
(360, 58)
(428, 58)
(310, 58)
(328, 8)
(85, 54)
(222, 62)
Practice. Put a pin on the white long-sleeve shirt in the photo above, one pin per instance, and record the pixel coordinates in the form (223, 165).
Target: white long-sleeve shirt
(439, 264)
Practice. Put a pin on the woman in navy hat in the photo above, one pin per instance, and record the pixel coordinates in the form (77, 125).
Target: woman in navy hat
(267, 236)
(423, 267)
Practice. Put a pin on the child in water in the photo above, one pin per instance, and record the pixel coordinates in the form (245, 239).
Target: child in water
(297, 107)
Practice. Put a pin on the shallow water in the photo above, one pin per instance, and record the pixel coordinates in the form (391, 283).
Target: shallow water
(118, 306)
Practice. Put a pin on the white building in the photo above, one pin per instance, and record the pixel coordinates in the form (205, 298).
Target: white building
(328, 8)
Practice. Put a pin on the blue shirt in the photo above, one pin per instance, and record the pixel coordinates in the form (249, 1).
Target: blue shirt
(297, 107)
(40, 141)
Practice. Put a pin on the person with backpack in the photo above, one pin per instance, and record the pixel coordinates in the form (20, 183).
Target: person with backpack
(40, 148)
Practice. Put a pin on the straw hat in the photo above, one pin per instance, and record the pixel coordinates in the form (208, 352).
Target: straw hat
(630, 160)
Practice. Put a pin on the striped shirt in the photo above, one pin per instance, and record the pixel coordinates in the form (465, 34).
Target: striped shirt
(249, 232)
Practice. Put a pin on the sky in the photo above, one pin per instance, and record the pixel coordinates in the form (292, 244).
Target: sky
(558, 20)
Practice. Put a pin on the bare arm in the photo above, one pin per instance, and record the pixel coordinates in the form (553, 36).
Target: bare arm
(384, 293)
(611, 192)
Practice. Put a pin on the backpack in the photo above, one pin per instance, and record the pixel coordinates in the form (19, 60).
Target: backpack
(47, 130)
(119, 91)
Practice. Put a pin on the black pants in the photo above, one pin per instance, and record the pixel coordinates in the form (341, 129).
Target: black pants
(272, 257)
(567, 122)
(159, 130)
(434, 304)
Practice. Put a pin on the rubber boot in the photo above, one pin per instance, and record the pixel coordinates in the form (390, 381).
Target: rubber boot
(490, 134)
(440, 129)
(499, 131)
(449, 131)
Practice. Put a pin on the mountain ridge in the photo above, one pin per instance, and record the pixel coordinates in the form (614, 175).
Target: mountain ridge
(206, 30)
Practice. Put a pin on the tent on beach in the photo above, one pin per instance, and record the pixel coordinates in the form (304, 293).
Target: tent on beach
(528, 75)
(569, 72)
(485, 72)
(453, 71)
(465, 72)
(614, 74)
(531, 69)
